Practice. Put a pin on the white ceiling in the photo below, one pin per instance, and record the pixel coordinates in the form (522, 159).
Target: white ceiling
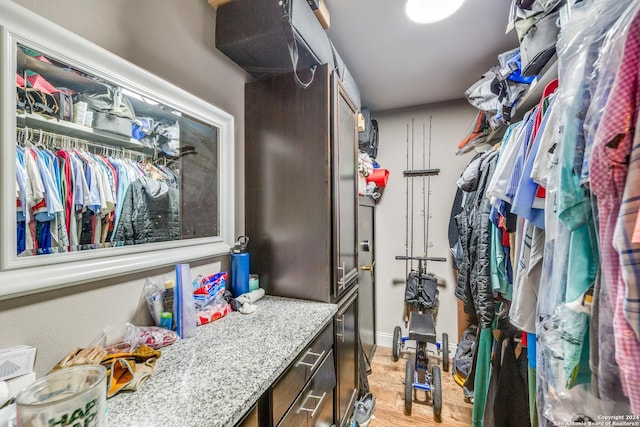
(397, 63)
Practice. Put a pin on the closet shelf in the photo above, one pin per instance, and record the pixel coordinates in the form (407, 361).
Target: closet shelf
(495, 136)
(527, 102)
(74, 80)
(58, 76)
(74, 130)
(533, 95)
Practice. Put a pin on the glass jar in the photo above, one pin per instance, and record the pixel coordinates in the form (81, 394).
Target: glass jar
(69, 397)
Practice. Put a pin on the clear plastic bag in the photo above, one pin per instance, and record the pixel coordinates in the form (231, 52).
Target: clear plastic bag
(209, 297)
(126, 338)
(563, 332)
(219, 308)
(153, 295)
(618, 15)
(159, 298)
(184, 313)
(153, 336)
(208, 289)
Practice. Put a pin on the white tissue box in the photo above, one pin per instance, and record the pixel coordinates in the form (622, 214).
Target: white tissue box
(16, 361)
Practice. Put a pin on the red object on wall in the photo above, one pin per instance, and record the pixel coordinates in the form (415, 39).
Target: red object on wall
(379, 176)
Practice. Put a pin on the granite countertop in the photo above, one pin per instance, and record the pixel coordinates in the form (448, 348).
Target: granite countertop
(214, 378)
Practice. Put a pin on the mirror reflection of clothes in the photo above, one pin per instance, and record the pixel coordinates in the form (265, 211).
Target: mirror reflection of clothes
(150, 213)
(71, 199)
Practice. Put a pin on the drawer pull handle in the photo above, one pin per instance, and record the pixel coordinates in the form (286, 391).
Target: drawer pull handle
(348, 278)
(341, 321)
(311, 396)
(311, 365)
(341, 282)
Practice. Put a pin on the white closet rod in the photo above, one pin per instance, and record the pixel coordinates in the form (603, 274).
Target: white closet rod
(53, 140)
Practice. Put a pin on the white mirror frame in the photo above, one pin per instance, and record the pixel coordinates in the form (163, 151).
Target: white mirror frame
(26, 275)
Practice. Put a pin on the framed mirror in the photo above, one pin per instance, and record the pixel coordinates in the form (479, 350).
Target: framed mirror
(106, 169)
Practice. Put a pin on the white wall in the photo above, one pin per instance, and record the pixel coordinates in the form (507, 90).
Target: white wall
(174, 40)
(450, 123)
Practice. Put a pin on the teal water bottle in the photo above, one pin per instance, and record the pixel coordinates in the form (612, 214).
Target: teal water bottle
(240, 267)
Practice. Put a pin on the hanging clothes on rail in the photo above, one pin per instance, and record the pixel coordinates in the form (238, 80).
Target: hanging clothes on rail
(150, 213)
(608, 170)
(568, 174)
(68, 199)
(474, 278)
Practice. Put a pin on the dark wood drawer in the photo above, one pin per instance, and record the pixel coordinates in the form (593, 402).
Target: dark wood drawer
(287, 388)
(309, 407)
(251, 420)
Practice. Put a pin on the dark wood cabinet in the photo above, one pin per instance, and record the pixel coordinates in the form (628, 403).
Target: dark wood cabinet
(366, 278)
(287, 389)
(314, 405)
(345, 188)
(301, 187)
(251, 420)
(301, 210)
(303, 395)
(346, 349)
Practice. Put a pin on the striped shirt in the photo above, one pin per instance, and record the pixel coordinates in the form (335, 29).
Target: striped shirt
(608, 172)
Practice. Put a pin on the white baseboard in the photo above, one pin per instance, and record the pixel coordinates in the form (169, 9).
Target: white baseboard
(384, 340)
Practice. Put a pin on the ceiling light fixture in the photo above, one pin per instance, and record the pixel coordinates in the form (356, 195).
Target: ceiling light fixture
(429, 11)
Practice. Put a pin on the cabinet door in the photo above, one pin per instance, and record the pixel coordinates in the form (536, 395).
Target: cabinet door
(293, 380)
(346, 327)
(325, 417)
(366, 277)
(288, 200)
(345, 188)
(316, 400)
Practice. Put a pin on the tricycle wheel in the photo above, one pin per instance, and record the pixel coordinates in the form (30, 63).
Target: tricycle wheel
(397, 343)
(445, 352)
(408, 387)
(436, 393)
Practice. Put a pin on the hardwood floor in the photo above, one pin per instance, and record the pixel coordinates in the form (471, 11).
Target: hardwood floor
(386, 384)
